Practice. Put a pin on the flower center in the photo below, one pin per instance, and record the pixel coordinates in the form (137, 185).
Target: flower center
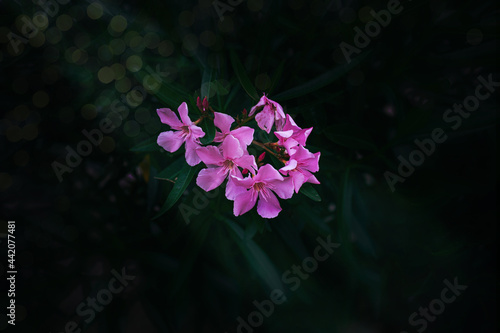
(185, 130)
(228, 164)
(258, 186)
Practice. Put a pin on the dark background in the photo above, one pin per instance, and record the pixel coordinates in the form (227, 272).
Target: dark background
(396, 247)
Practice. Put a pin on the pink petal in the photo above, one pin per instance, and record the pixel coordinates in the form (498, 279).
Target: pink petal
(183, 112)
(244, 135)
(298, 179)
(313, 180)
(223, 121)
(265, 120)
(312, 163)
(170, 141)
(168, 117)
(244, 202)
(196, 132)
(268, 206)
(290, 165)
(279, 123)
(191, 156)
(284, 189)
(267, 173)
(302, 135)
(283, 134)
(301, 153)
(219, 137)
(247, 162)
(232, 189)
(231, 148)
(262, 101)
(210, 155)
(290, 122)
(244, 182)
(211, 178)
(279, 111)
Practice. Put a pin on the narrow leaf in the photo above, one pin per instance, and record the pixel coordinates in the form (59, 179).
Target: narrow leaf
(243, 77)
(309, 191)
(180, 186)
(148, 145)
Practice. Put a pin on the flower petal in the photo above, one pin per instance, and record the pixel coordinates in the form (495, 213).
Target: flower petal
(223, 121)
(170, 141)
(245, 182)
(191, 156)
(267, 173)
(232, 189)
(268, 206)
(244, 135)
(169, 117)
(183, 112)
(298, 179)
(244, 202)
(247, 162)
(265, 120)
(210, 155)
(290, 165)
(211, 178)
(313, 180)
(283, 134)
(231, 148)
(262, 101)
(196, 132)
(284, 189)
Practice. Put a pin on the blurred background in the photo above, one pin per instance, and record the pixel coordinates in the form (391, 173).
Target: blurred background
(82, 221)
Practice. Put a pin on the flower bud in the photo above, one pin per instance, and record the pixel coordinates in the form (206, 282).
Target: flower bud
(261, 157)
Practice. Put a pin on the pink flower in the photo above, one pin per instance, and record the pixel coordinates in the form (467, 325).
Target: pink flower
(271, 112)
(223, 122)
(220, 164)
(185, 131)
(292, 135)
(300, 167)
(263, 186)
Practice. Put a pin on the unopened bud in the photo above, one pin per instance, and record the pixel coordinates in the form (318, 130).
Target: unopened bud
(198, 103)
(244, 112)
(205, 103)
(245, 171)
(261, 157)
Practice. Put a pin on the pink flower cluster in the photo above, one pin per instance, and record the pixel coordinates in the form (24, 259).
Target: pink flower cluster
(249, 182)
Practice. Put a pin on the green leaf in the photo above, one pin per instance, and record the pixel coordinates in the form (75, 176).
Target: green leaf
(309, 191)
(148, 145)
(172, 170)
(242, 76)
(256, 257)
(350, 136)
(321, 81)
(180, 186)
(209, 129)
(276, 76)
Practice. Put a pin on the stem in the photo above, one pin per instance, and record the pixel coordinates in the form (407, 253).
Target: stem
(246, 120)
(263, 146)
